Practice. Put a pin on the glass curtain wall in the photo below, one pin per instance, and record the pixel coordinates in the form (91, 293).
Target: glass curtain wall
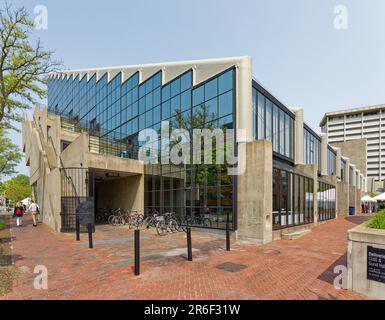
(118, 111)
(312, 148)
(326, 201)
(203, 192)
(275, 123)
(331, 158)
(292, 199)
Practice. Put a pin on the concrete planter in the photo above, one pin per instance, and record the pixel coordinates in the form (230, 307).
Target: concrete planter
(359, 239)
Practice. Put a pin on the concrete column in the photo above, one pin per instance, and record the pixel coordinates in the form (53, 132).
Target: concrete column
(299, 136)
(255, 219)
(347, 167)
(353, 183)
(365, 182)
(324, 155)
(358, 182)
(244, 100)
(338, 162)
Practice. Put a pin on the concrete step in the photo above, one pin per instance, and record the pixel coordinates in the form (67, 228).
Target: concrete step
(294, 234)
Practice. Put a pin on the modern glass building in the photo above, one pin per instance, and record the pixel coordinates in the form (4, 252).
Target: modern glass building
(94, 121)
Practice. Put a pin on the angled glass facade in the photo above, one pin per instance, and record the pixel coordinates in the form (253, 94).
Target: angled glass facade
(119, 111)
(331, 158)
(272, 121)
(312, 148)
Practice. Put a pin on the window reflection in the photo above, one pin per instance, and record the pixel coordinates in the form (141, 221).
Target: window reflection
(292, 199)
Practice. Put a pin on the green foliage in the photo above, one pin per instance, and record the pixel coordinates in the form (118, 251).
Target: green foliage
(10, 155)
(24, 66)
(18, 188)
(377, 221)
(205, 174)
(2, 225)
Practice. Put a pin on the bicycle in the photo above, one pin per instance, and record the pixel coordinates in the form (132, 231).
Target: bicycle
(151, 219)
(167, 224)
(135, 219)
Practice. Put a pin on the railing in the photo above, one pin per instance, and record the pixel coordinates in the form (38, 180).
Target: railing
(113, 147)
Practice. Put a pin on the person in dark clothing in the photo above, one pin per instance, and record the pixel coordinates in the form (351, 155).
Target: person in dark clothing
(19, 213)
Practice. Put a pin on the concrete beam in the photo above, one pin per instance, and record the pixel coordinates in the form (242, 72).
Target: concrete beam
(299, 136)
(324, 155)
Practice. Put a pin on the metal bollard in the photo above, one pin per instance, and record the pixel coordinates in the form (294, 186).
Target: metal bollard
(137, 251)
(77, 228)
(89, 228)
(227, 236)
(189, 245)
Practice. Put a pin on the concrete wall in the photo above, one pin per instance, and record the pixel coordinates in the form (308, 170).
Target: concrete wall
(125, 193)
(342, 198)
(44, 177)
(44, 159)
(255, 193)
(356, 150)
(359, 195)
(359, 239)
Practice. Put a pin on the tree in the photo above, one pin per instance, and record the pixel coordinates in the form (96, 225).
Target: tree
(24, 67)
(18, 188)
(10, 155)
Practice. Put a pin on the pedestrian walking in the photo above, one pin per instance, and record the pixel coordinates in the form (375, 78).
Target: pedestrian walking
(34, 211)
(19, 213)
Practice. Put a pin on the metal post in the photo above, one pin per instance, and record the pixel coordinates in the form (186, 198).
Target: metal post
(227, 236)
(189, 245)
(89, 228)
(137, 252)
(228, 233)
(77, 228)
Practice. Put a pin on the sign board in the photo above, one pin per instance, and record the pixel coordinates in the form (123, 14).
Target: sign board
(376, 264)
(86, 213)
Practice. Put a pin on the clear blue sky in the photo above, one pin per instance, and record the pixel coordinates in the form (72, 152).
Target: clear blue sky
(297, 53)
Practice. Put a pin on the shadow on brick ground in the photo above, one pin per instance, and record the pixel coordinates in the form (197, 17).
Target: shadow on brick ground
(328, 275)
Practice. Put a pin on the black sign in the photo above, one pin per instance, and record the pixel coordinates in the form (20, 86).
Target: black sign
(86, 213)
(376, 264)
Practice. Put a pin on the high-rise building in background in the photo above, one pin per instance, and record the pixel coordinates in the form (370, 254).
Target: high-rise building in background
(352, 128)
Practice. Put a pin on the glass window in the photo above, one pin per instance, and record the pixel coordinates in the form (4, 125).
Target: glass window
(166, 92)
(226, 82)
(198, 96)
(292, 199)
(156, 97)
(186, 100)
(269, 117)
(166, 110)
(175, 105)
(225, 104)
(275, 128)
(261, 116)
(212, 108)
(175, 87)
(186, 81)
(281, 132)
(211, 89)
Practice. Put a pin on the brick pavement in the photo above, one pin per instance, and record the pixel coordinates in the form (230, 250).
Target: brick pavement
(286, 269)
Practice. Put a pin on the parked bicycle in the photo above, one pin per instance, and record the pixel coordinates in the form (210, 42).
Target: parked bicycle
(167, 224)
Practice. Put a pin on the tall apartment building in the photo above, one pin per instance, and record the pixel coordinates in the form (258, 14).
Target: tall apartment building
(349, 126)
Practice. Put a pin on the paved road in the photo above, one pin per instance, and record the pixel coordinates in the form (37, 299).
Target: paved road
(297, 269)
